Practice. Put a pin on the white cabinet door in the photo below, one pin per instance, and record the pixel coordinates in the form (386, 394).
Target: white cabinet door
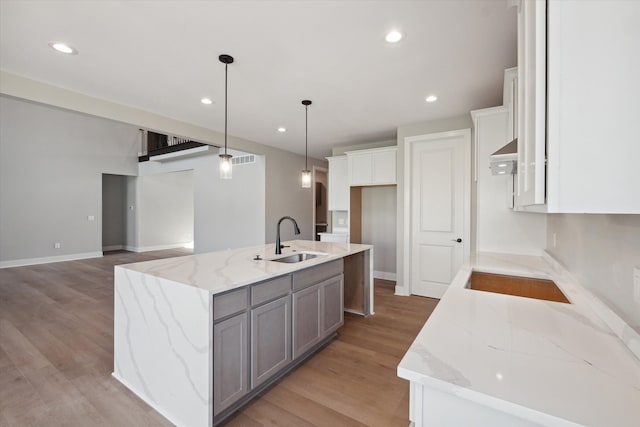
(531, 103)
(338, 184)
(384, 167)
(510, 100)
(593, 107)
(584, 85)
(359, 166)
(376, 166)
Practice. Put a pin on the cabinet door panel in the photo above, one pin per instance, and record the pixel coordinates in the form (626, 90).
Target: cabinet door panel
(332, 305)
(531, 103)
(384, 167)
(306, 320)
(360, 166)
(230, 376)
(270, 340)
(338, 184)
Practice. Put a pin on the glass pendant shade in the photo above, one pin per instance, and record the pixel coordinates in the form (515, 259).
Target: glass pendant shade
(226, 170)
(306, 178)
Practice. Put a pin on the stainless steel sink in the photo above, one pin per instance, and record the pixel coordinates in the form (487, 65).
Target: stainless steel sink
(297, 257)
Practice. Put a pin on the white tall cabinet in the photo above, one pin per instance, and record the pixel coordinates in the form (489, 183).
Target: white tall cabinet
(591, 83)
(338, 184)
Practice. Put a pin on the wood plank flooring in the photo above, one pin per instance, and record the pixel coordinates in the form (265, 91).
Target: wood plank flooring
(56, 357)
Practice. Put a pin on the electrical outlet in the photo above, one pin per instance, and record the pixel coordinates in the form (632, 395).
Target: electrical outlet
(56, 245)
(636, 284)
(341, 221)
(91, 218)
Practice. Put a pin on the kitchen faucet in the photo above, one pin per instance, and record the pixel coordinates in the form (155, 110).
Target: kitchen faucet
(296, 230)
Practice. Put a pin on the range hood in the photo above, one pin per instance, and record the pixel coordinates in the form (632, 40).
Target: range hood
(504, 161)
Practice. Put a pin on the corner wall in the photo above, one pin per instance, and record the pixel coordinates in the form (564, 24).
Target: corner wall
(601, 252)
(51, 166)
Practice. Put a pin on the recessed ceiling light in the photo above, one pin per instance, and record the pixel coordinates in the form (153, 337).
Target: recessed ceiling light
(206, 101)
(393, 36)
(63, 48)
(432, 98)
(282, 129)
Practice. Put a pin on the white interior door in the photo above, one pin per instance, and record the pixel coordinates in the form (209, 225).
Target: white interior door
(440, 171)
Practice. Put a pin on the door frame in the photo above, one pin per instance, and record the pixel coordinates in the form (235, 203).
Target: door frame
(466, 234)
(315, 169)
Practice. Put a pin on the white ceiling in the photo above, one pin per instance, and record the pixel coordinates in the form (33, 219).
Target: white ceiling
(162, 56)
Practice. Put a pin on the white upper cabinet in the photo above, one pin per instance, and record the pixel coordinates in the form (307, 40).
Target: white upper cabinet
(510, 100)
(376, 166)
(338, 184)
(592, 90)
(531, 102)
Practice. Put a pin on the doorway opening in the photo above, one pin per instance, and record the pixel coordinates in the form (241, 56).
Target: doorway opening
(114, 212)
(320, 202)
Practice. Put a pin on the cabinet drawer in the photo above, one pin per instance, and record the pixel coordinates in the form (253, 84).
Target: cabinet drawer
(270, 289)
(229, 303)
(309, 276)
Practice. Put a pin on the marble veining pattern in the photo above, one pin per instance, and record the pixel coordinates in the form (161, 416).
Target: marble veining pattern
(556, 359)
(162, 344)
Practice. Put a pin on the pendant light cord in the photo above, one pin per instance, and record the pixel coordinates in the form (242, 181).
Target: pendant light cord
(306, 131)
(226, 66)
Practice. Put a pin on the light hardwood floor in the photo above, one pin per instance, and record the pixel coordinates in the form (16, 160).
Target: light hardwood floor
(56, 357)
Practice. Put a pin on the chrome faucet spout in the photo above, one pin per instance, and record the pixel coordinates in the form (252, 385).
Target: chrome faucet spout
(296, 230)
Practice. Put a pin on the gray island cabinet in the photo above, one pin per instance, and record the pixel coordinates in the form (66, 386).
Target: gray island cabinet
(199, 336)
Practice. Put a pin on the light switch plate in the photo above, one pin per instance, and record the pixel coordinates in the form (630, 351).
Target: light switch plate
(636, 284)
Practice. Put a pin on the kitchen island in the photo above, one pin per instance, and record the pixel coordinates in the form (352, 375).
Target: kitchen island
(486, 358)
(198, 336)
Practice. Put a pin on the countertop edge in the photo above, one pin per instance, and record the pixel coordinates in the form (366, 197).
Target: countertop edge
(154, 267)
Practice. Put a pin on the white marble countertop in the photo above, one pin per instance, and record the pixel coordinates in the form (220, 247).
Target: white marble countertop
(225, 270)
(547, 362)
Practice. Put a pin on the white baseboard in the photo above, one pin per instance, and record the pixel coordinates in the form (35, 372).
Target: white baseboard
(155, 248)
(401, 291)
(49, 259)
(384, 275)
(112, 248)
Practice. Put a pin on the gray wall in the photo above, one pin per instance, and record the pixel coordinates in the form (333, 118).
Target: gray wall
(52, 161)
(51, 166)
(454, 123)
(114, 211)
(601, 252)
(379, 226)
(164, 204)
(284, 196)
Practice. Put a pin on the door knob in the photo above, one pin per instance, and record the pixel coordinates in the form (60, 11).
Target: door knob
(459, 240)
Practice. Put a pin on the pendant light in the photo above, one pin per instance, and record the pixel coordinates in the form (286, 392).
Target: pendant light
(225, 159)
(306, 173)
